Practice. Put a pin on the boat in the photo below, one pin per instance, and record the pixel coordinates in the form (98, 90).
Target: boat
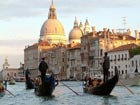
(132, 79)
(19, 79)
(46, 88)
(104, 88)
(2, 89)
(2, 93)
(12, 82)
(29, 82)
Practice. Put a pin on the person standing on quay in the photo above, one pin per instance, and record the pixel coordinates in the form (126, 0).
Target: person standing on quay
(106, 66)
(43, 66)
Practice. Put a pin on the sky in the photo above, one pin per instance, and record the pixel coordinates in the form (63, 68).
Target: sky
(21, 20)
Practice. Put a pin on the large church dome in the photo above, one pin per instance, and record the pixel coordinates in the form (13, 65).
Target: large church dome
(75, 34)
(52, 27)
(52, 30)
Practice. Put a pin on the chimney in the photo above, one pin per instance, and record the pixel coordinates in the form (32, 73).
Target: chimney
(136, 34)
(105, 29)
(129, 32)
(94, 31)
(104, 32)
(113, 31)
(124, 37)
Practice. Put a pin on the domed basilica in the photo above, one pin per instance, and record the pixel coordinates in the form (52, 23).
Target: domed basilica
(52, 31)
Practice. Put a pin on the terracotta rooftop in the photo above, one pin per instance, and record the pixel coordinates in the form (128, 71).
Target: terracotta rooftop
(118, 36)
(124, 47)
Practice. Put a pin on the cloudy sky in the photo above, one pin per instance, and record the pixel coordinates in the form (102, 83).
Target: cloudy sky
(21, 20)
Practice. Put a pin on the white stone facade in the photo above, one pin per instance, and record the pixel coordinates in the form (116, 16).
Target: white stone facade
(121, 60)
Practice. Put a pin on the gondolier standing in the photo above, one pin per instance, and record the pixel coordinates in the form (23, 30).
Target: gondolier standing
(27, 73)
(106, 66)
(43, 66)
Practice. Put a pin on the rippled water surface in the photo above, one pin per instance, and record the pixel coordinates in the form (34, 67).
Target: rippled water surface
(64, 96)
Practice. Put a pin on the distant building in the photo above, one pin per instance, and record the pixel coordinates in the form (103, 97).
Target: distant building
(121, 57)
(10, 73)
(135, 63)
(74, 62)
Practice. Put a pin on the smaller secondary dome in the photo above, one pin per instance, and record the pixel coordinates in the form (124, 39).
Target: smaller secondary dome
(75, 33)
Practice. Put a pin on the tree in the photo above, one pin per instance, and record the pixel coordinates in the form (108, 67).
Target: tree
(134, 51)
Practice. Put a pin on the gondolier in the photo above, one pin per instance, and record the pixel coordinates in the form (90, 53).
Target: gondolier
(106, 66)
(43, 66)
(27, 73)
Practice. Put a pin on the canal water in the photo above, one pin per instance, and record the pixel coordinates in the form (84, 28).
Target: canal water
(64, 96)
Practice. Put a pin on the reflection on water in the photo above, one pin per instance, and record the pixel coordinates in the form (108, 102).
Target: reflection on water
(64, 96)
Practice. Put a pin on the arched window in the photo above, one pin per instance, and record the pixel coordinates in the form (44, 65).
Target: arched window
(119, 57)
(101, 52)
(136, 63)
(132, 63)
(125, 71)
(15, 74)
(122, 72)
(8, 74)
(126, 66)
(125, 56)
(122, 56)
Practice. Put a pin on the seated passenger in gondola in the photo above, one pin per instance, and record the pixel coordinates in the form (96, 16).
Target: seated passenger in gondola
(51, 79)
(97, 82)
(1, 87)
(85, 81)
(89, 81)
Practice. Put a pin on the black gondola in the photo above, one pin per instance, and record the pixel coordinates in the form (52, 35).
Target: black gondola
(105, 88)
(29, 82)
(45, 88)
(2, 89)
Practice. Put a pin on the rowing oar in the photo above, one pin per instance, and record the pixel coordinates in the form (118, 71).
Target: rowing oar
(126, 87)
(10, 93)
(70, 88)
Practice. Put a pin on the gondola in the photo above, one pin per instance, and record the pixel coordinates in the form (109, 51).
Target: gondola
(28, 81)
(2, 90)
(2, 93)
(29, 84)
(46, 88)
(104, 88)
(12, 82)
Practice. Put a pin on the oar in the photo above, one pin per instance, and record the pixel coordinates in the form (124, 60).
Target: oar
(10, 93)
(126, 87)
(70, 88)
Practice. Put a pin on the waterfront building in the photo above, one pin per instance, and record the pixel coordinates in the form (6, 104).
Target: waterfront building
(9, 73)
(135, 63)
(123, 59)
(52, 36)
(73, 53)
(94, 44)
(74, 62)
(56, 59)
